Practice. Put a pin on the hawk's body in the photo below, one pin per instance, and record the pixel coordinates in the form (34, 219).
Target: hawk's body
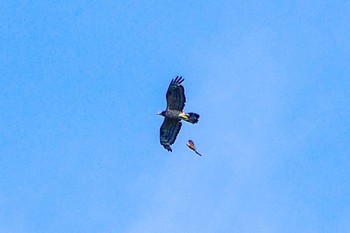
(171, 113)
(175, 97)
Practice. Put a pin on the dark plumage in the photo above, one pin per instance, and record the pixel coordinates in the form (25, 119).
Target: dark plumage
(175, 97)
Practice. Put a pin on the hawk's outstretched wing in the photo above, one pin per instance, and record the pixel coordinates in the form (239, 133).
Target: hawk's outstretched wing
(169, 131)
(175, 96)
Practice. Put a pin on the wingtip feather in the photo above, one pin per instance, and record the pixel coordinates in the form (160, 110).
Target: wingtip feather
(178, 80)
(168, 148)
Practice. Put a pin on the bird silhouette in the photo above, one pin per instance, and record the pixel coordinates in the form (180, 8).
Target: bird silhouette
(191, 145)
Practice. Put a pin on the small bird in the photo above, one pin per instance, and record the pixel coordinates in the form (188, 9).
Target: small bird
(191, 145)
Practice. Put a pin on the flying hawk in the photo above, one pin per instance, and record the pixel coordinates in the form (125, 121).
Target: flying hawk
(175, 98)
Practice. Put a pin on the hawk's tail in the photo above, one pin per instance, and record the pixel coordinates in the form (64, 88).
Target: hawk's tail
(191, 117)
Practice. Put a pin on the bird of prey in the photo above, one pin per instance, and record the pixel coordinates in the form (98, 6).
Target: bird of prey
(191, 145)
(175, 98)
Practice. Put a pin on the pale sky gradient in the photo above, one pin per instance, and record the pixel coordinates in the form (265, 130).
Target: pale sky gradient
(82, 81)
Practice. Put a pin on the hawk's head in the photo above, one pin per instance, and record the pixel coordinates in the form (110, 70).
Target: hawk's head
(161, 113)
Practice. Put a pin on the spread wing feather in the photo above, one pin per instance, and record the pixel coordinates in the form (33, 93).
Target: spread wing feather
(175, 96)
(168, 132)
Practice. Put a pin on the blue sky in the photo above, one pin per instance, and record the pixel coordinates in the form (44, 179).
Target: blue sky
(81, 83)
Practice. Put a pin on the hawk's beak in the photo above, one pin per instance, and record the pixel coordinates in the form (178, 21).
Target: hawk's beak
(159, 113)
